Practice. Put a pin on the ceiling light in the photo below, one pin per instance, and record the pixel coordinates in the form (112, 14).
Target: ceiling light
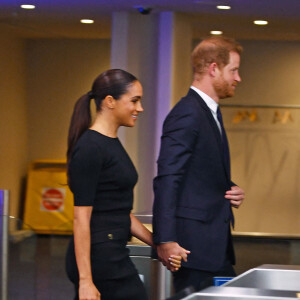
(223, 7)
(28, 6)
(216, 32)
(260, 22)
(87, 21)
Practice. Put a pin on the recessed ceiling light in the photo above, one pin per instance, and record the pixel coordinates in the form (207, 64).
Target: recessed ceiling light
(216, 32)
(260, 22)
(87, 21)
(28, 6)
(223, 7)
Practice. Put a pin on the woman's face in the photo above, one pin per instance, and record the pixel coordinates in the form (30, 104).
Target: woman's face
(128, 106)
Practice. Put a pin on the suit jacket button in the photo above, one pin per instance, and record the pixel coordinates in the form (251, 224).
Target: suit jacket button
(110, 236)
(227, 220)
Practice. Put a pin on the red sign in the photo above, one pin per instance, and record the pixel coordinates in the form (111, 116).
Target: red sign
(52, 199)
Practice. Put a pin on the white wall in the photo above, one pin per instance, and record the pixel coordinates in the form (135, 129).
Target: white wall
(13, 118)
(58, 73)
(266, 153)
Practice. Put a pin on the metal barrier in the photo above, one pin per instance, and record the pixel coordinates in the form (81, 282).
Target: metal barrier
(164, 282)
(161, 284)
(157, 279)
(4, 213)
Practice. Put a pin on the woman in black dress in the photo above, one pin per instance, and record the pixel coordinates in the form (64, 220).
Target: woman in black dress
(102, 177)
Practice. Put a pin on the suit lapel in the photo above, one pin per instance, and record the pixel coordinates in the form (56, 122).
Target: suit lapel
(210, 118)
(214, 126)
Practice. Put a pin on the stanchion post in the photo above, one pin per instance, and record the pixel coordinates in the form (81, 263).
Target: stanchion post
(161, 292)
(4, 214)
(164, 278)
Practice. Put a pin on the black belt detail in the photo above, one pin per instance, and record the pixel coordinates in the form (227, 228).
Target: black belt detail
(110, 235)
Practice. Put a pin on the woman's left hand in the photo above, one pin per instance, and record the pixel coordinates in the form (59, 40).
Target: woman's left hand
(175, 262)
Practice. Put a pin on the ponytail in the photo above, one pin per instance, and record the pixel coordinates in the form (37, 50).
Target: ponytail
(80, 122)
(114, 82)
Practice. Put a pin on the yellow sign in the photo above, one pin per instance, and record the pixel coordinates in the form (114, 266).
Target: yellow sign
(49, 202)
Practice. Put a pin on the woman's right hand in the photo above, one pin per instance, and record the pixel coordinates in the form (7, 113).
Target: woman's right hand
(88, 291)
(175, 263)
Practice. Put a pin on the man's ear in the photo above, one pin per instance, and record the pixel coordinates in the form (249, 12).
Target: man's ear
(109, 101)
(213, 69)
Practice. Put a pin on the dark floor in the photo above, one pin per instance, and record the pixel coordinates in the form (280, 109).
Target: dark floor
(37, 269)
(37, 266)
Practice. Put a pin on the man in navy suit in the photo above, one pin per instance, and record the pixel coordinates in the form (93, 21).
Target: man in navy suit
(194, 194)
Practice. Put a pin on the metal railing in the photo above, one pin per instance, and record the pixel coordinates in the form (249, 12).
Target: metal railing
(4, 213)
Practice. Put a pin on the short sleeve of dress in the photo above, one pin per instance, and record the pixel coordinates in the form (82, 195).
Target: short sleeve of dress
(84, 170)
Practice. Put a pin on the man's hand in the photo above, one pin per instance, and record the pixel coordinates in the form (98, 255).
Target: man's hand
(236, 196)
(166, 250)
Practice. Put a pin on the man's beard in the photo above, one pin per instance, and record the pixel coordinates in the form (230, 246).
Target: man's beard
(223, 88)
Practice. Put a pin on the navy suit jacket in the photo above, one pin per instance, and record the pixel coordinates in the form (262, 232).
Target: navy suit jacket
(189, 205)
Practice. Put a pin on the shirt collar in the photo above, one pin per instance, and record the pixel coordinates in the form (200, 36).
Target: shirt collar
(212, 104)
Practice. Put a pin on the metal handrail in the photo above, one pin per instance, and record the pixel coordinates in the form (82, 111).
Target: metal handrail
(284, 236)
(4, 211)
(261, 106)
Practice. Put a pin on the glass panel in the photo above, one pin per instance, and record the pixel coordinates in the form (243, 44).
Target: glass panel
(20, 260)
(35, 263)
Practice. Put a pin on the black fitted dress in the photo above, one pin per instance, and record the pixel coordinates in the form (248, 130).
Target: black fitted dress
(103, 176)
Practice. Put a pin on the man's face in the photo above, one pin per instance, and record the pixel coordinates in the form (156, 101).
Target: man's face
(228, 77)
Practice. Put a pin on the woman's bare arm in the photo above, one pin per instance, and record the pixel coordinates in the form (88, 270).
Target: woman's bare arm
(142, 233)
(82, 241)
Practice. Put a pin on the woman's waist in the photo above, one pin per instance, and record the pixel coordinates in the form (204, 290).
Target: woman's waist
(110, 235)
(105, 221)
(107, 211)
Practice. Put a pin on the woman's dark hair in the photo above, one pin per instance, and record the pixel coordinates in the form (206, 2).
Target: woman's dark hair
(114, 82)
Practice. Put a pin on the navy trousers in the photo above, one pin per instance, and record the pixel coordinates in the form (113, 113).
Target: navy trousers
(199, 279)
